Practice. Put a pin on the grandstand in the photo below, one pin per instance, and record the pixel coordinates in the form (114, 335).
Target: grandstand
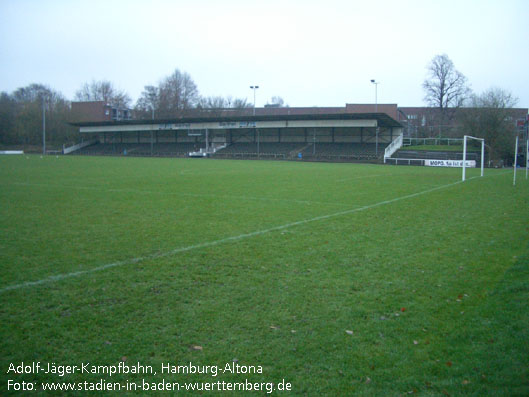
(344, 137)
(328, 137)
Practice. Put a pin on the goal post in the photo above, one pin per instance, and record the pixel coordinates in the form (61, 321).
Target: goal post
(466, 137)
(515, 161)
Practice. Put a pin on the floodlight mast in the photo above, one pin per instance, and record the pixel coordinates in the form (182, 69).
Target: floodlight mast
(254, 87)
(376, 83)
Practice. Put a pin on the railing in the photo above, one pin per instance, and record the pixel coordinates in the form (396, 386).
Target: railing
(432, 141)
(67, 150)
(203, 152)
(393, 147)
(397, 161)
(428, 155)
(248, 155)
(135, 153)
(305, 157)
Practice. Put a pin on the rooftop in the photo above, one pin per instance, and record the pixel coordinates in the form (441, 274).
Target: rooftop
(383, 120)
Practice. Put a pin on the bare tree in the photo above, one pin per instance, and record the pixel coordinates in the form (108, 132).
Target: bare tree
(446, 90)
(103, 91)
(241, 103)
(21, 114)
(276, 102)
(148, 103)
(214, 102)
(216, 106)
(445, 86)
(37, 93)
(490, 116)
(219, 102)
(177, 93)
(7, 119)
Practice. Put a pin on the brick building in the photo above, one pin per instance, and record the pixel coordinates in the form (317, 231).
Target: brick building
(99, 111)
(427, 121)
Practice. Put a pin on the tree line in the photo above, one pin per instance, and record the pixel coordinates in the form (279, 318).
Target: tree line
(21, 116)
(21, 112)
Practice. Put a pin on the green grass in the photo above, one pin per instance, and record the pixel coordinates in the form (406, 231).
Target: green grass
(268, 263)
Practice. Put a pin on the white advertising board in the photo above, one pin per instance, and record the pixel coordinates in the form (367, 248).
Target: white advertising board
(11, 152)
(450, 163)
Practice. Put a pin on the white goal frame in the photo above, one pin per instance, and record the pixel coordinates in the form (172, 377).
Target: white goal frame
(465, 154)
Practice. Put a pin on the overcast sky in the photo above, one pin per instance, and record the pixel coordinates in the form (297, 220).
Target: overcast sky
(311, 53)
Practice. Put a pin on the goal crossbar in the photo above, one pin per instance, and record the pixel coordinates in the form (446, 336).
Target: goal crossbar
(465, 138)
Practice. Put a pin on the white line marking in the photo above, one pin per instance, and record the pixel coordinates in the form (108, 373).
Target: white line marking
(305, 202)
(221, 241)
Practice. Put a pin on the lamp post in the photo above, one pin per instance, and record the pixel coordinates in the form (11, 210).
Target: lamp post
(254, 87)
(376, 83)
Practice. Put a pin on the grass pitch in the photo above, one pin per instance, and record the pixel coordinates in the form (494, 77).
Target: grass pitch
(339, 279)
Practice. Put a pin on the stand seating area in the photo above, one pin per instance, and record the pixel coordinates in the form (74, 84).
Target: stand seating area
(139, 149)
(264, 147)
(269, 150)
(342, 149)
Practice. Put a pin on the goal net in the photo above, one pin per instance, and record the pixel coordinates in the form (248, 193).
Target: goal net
(467, 137)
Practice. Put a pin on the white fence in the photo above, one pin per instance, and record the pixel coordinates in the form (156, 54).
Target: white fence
(11, 152)
(432, 162)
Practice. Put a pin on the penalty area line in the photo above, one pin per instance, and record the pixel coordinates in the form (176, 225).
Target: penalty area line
(60, 277)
